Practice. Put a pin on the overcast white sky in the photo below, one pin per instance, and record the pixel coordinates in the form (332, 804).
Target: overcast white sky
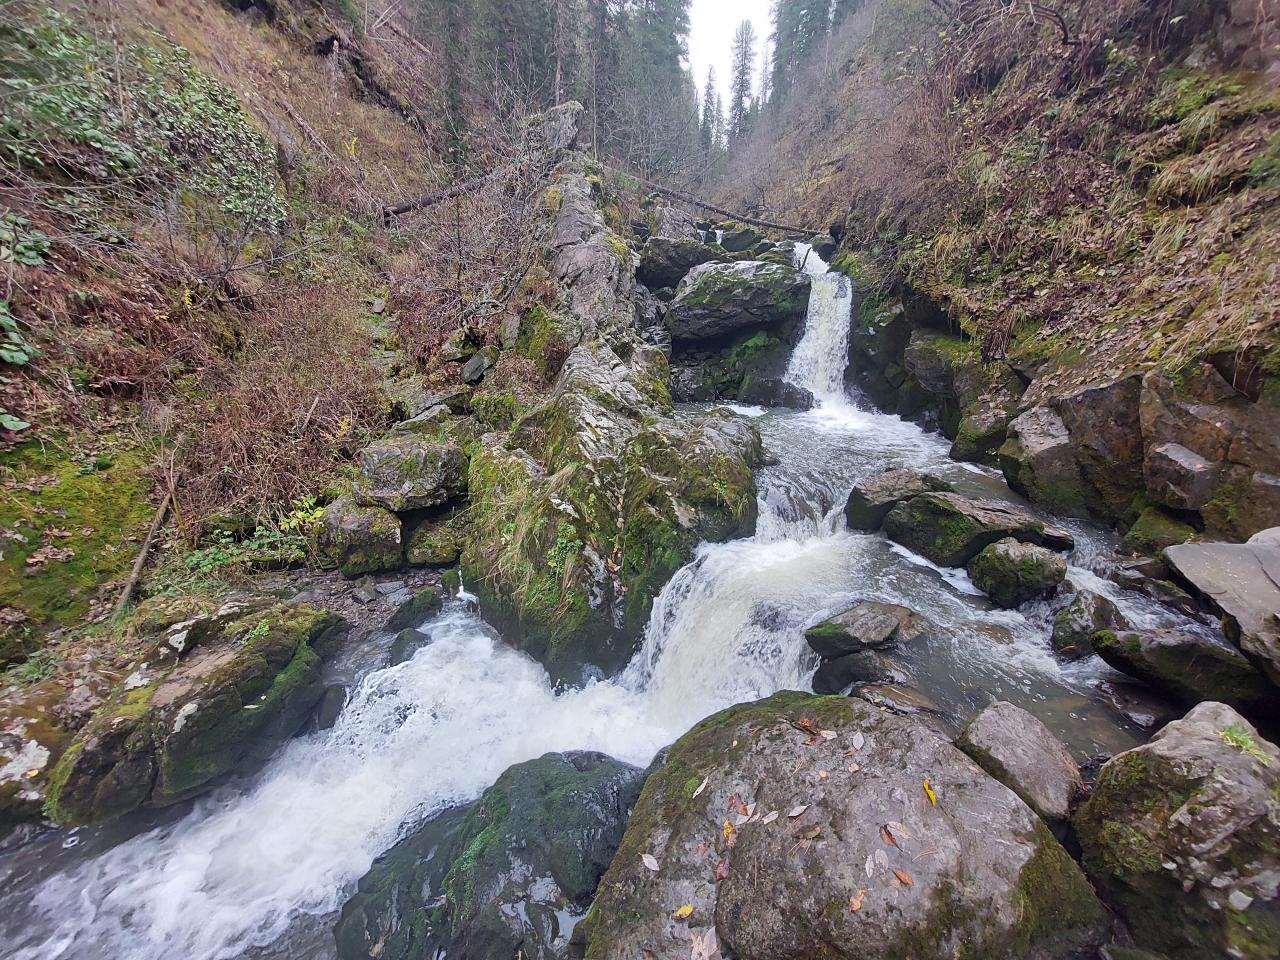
(712, 23)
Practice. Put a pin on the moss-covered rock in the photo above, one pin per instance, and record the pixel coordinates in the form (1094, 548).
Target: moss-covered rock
(32, 738)
(1153, 531)
(1085, 614)
(1188, 665)
(869, 625)
(1182, 836)
(719, 299)
(1011, 573)
(416, 610)
(748, 838)
(735, 236)
(502, 878)
(360, 539)
(435, 540)
(664, 261)
(873, 497)
(210, 696)
(1039, 462)
(951, 529)
(406, 472)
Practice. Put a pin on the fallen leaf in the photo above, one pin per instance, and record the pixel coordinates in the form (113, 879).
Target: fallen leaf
(685, 912)
(700, 850)
(827, 734)
(807, 725)
(822, 774)
(855, 902)
(797, 811)
(705, 946)
(928, 792)
(769, 817)
(857, 741)
(903, 877)
(737, 806)
(702, 786)
(809, 833)
(887, 836)
(854, 768)
(730, 833)
(650, 861)
(899, 829)
(722, 869)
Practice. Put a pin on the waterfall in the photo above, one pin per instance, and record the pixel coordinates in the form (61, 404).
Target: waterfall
(819, 360)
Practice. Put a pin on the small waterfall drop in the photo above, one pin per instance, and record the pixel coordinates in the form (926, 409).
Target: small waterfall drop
(819, 359)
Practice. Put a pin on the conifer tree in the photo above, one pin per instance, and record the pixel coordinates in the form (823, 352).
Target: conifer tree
(744, 43)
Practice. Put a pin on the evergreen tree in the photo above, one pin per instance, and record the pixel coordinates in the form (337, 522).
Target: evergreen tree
(800, 27)
(707, 129)
(744, 44)
(844, 8)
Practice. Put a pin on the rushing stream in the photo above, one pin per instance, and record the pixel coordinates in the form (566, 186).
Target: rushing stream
(260, 866)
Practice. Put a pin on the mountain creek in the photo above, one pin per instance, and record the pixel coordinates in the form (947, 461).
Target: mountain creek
(451, 506)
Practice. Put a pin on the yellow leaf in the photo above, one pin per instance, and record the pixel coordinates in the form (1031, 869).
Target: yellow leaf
(685, 912)
(928, 792)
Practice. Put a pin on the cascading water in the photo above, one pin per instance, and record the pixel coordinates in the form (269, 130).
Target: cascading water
(260, 867)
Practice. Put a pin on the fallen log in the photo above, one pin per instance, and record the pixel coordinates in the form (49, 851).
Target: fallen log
(681, 197)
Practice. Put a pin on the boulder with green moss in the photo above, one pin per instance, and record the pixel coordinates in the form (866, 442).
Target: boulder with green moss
(406, 472)
(1188, 665)
(360, 539)
(435, 539)
(1086, 613)
(951, 529)
(716, 300)
(869, 625)
(904, 848)
(1153, 531)
(664, 261)
(33, 735)
(1011, 572)
(1039, 462)
(210, 696)
(506, 877)
(735, 236)
(1182, 836)
(873, 497)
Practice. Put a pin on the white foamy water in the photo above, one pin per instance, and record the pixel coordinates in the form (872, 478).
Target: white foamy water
(248, 866)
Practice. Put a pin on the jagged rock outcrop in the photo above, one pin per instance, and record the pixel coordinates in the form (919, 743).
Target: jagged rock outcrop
(401, 473)
(211, 694)
(506, 876)
(664, 261)
(1182, 835)
(951, 529)
(737, 839)
(719, 299)
(872, 498)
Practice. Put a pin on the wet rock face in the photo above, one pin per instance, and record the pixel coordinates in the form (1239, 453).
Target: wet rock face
(873, 498)
(1019, 751)
(1085, 614)
(1182, 835)
(739, 839)
(408, 473)
(664, 261)
(951, 529)
(213, 693)
(718, 299)
(1188, 666)
(31, 740)
(505, 877)
(1038, 461)
(360, 539)
(1240, 582)
(1011, 573)
(870, 625)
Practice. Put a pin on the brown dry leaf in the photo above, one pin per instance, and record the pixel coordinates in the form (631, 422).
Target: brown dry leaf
(899, 829)
(722, 869)
(903, 877)
(809, 833)
(700, 850)
(855, 902)
(887, 836)
(797, 810)
(822, 774)
(730, 833)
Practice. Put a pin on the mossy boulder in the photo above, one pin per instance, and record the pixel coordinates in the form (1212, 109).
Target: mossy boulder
(1038, 461)
(360, 539)
(750, 845)
(664, 261)
(1182, 836)
(436, 539)
(869, 625)
(415, 611)
(1086, 613)
(873, 497)
(1011, 573)
(1188, 665)
(33, 735)
(735, 236)
(716, 300)
(211, 696)
(507, 877)
(951, 529)
(406, 472)
(1153, 531)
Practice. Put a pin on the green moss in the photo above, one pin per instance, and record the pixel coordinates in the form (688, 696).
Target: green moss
(1055, 902)
(1153, 531)
(81, 512)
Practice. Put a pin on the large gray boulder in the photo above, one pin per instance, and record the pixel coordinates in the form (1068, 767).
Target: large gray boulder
(1187, 665)
(1182, 835)
(799, 827)
(717, 299)
(1039, 461)
(873, 497)
(406, 472)
(1241, 582)
(1019, 751)
(951, 529)
(507, 877)
(1011, 572)
(664, 261)
(1086, 613)
(360, 539)
(213, 693)
(869, 625)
